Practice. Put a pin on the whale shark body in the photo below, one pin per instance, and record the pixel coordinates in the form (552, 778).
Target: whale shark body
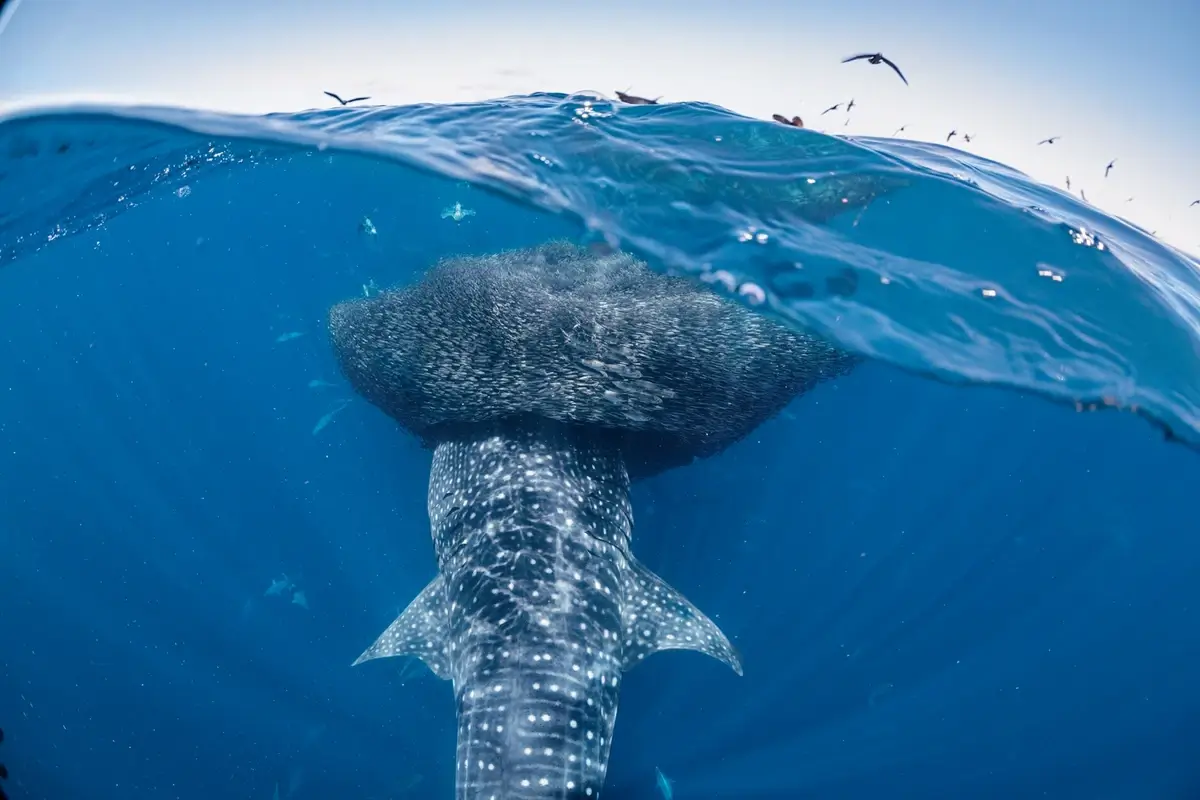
(545, 381)
(537, 609)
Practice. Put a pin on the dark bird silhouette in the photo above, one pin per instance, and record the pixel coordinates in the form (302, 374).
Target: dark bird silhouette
(1194, 203)
(634, 100)
(1082, 195)
(850, 106)
(1108, 169)
(899, 130)
(877, 58)
(1068, 183)
(795, 122)
(1051, 140)
(966, 137)
(347, 102)
(951, 135)
(834, 107)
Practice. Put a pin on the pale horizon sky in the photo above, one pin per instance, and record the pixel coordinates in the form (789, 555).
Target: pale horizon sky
(1115, 80)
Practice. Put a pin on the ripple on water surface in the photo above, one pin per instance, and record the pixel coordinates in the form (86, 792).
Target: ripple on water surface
(916, 254)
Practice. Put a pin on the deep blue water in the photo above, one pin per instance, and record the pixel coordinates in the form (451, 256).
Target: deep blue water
(939, 589)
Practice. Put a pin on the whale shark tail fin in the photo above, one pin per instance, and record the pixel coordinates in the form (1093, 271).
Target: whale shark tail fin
(420, 631)
(656, 617)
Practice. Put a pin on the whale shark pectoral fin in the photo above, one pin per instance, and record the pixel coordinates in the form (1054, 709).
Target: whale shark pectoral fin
(420, 631)
(655, 617)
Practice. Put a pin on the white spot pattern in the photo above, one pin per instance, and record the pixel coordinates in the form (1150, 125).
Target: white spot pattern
(537, 608)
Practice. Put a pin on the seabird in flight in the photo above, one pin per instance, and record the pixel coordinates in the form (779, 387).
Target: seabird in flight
(346, 102)
(634, 100)
(1051, 140)
(877, 58)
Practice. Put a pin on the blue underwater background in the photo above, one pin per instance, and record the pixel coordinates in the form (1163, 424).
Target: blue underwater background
(940, 588)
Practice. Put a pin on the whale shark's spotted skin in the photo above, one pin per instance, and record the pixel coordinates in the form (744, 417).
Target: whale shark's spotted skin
(545, 380)
(538, 607)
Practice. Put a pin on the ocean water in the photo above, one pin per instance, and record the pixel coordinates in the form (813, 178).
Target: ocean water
(945, 578)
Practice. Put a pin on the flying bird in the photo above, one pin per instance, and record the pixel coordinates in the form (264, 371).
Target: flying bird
(877, 58)
(1108, 169)
(795, 122)
(346, 102)
(1068, 183)
(951, 135)
(834, 107)
(1051, 140)
(634, 100)
(966, 137)
(899, 130)
(1194, 203)
(850, 106)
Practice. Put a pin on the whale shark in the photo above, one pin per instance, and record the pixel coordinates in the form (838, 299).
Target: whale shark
(545, 381)
(539, 606)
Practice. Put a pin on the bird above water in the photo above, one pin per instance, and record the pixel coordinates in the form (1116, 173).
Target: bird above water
(795, 122)
(850, 106)
(899, 130)
(1051, 140)
(877, 58)
(833, 107)
(951, 135)
(346, 102)
(634, 100)
(1108, 169)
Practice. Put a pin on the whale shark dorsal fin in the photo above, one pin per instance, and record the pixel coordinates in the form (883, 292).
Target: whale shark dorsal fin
(655, 617)
(420, 631)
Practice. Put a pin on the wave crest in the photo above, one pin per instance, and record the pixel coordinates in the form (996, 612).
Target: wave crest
(915, 254)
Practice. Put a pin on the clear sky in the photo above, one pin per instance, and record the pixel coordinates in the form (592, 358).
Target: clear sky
(1114, 78)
